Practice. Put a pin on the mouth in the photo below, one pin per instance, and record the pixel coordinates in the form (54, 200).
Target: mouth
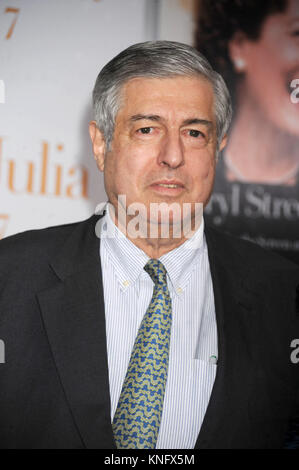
(171, 187)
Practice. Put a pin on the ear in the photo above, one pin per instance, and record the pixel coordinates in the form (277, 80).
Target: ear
(223, 143)
(221, 147)
(98, 144)
(237, 48)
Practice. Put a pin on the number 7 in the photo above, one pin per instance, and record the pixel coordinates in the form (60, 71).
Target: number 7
(16, 11)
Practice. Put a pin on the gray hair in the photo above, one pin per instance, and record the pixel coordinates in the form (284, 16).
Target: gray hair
(155, 59)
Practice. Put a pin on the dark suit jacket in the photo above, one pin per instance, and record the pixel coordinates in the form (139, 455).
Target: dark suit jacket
(54, 387)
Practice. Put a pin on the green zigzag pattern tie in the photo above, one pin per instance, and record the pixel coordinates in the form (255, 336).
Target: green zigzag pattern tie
(138, 415)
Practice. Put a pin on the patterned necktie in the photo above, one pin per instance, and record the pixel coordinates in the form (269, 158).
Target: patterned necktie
(137, 418)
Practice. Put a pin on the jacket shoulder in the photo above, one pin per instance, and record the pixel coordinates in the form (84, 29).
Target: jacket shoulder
(32, 247)
(252, 255)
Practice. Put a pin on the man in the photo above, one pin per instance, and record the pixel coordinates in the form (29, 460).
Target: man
(118, 336)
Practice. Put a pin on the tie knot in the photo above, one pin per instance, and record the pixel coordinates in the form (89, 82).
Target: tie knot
(156, 270)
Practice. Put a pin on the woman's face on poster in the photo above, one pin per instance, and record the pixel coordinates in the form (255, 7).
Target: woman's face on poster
(269, 65)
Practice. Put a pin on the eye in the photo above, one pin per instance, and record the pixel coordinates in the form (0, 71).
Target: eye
(145, 130)
(195, 133)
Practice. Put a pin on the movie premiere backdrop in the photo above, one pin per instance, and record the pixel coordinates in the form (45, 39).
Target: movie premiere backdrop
(255, 46)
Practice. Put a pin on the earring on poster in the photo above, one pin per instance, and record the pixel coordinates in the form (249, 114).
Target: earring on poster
(239, 64)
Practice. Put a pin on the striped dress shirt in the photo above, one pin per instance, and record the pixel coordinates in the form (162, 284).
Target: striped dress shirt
(128, 290)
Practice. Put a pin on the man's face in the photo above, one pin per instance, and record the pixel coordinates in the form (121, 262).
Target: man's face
(165, 134)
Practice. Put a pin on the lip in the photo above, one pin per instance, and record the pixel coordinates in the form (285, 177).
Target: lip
(170, 191)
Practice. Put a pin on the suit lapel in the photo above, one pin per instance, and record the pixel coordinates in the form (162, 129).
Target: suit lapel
(74, 318)
(235, 302)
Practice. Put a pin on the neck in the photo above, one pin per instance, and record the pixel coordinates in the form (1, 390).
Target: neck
(257, 148)
(157, 247)
(155, 240)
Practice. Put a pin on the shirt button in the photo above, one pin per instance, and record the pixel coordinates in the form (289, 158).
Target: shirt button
(126, 283)
(179, 290)
(213, 360)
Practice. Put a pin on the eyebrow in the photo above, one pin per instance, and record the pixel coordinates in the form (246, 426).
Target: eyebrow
(205, 122)
(155, 117)
(149, 117)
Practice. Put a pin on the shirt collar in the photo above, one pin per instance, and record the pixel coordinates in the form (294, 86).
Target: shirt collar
(128, 260)
(181, 261)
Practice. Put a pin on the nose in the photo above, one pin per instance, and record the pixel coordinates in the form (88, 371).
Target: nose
(171, 152)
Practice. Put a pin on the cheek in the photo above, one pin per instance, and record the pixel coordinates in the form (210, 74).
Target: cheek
(268, 64)
(203, 171)
(139, 160)
(266, 84)
(289, 54)
(128, 167)
(262, 74)
(269, 84)
(116, 177)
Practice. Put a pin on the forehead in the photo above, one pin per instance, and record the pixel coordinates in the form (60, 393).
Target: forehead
(180, 96)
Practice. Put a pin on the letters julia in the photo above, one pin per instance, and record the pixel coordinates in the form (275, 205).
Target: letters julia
(42, 177)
